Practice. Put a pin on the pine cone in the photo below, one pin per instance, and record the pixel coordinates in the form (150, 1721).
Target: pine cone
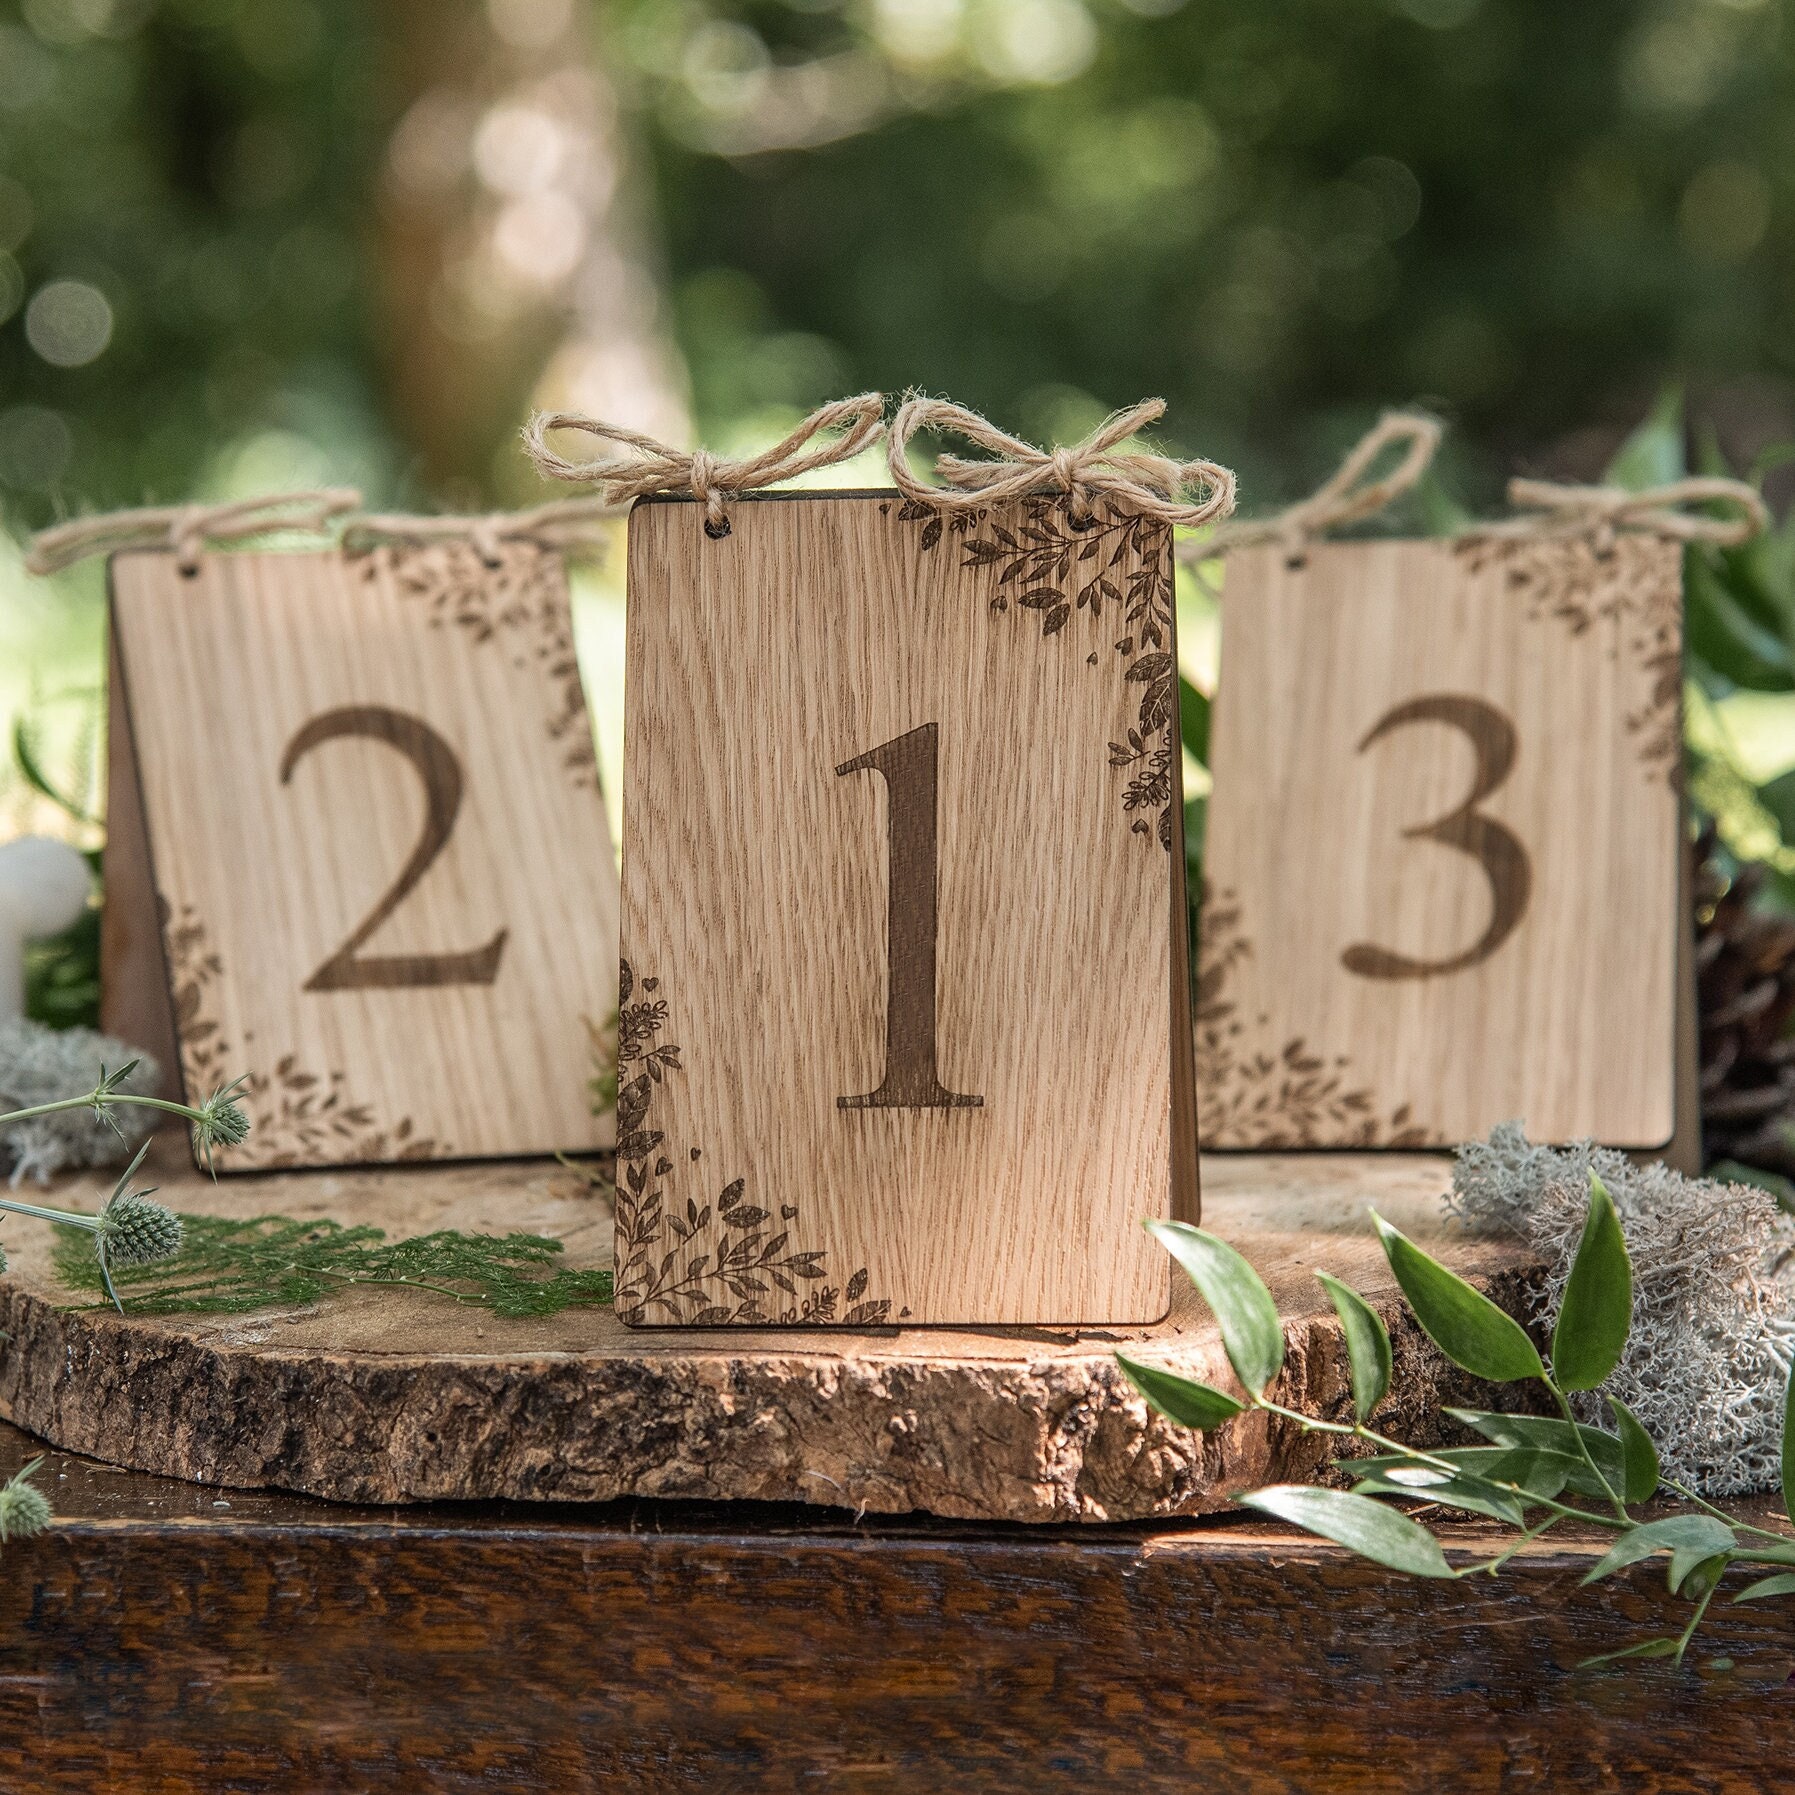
(1745, 980)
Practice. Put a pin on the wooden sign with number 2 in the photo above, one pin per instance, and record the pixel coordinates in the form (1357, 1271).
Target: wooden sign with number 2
(358, 850)
(1441, 873)
(903, 1029)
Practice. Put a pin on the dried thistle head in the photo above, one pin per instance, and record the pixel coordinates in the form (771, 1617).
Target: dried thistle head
(24, 1511)
(221, 1121)
(135, 1231)
(131, 1230)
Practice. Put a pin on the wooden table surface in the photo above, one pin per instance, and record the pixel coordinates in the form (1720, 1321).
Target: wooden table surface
(173, 1637)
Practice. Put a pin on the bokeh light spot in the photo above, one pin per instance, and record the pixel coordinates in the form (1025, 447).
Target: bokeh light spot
(35, 448)
(68, 323)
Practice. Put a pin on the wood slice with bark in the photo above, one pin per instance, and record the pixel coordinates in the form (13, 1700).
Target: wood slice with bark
(382, 1395)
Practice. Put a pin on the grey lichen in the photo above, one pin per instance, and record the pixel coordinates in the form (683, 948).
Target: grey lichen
(1707, 1363)
(43, 1065)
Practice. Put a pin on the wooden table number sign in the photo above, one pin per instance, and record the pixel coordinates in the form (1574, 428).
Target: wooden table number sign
(357, 849)
(902, 995)
(1443, 866)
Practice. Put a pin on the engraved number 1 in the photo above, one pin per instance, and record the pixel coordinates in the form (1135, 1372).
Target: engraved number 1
(908, 764)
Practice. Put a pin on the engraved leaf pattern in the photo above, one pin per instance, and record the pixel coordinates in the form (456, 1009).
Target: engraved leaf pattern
(1629, 585)
(703, 1261)
(297, 1116)
(1116, 565)
(1282, 1098)
(520, 605)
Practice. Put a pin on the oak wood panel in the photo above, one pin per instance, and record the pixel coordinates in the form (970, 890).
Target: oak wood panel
(766, 668)
(381, 1395)
(158, 1641)
(1443, 846)
(372, 821)
(135, 1003)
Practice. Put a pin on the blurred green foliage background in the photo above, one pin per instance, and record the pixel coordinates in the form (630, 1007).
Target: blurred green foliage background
(247, 244)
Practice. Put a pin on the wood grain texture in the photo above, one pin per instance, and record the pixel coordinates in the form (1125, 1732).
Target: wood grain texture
(1443, 846)
(135, 1003)
(794, 688)
(384, 1396)
(158, 1642)
(371, 818)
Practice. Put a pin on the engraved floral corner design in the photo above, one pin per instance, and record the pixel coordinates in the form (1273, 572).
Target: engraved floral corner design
(1113, 564)
(704, 1263)
(297, 1116)
(517, 603)
(1260, 1096)
(1630, 587)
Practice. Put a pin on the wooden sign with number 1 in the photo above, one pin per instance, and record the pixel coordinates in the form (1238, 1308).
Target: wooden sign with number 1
(904, 1010)
(358, 850)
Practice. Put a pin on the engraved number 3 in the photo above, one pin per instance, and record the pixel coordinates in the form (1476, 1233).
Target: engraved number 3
(1493, 847)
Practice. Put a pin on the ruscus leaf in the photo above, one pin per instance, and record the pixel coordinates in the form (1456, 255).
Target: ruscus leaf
(1193, 721)
(1180, 1399)
(1782, 1584)
(1469, 1493)
(1694, 1574)
(1463, 1323)
(1235, 1293)
(1702, 1536)
(1555, 1436)
(1597, 1311)
(1638, 1456)
(1384, 1535)
(1367, 1345)
(1788, 1460)
(1535, 1470)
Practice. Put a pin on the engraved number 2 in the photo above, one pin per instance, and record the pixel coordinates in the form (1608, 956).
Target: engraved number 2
(908, 765)
(348, 969)
(1493, 847)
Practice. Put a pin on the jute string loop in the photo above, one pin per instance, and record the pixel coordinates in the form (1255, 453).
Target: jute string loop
(1343, 498)
(562, 524)
(650, 467)
(187, 529)
(1175, 492)
(1604, 512)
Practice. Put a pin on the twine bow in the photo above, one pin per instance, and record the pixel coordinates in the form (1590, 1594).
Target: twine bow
(653, 467)
(187, 529)
(561, 524)
(1343, 498)
(1175, 492)
(1606, 511)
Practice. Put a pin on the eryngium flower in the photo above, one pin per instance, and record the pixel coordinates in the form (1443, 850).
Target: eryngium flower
(134, 1231)
(220, 1122)
(23, 1510)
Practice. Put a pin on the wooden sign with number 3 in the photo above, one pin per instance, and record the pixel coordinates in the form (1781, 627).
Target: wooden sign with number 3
(358, 850)
(904, 1003)
(1443, 848)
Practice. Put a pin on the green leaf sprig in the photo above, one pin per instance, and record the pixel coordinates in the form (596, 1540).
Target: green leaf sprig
(1530, 1464)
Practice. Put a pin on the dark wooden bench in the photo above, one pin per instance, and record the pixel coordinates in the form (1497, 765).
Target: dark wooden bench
(174, 1637)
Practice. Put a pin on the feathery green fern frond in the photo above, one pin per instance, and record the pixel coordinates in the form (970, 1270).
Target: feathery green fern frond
(229, 1267)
